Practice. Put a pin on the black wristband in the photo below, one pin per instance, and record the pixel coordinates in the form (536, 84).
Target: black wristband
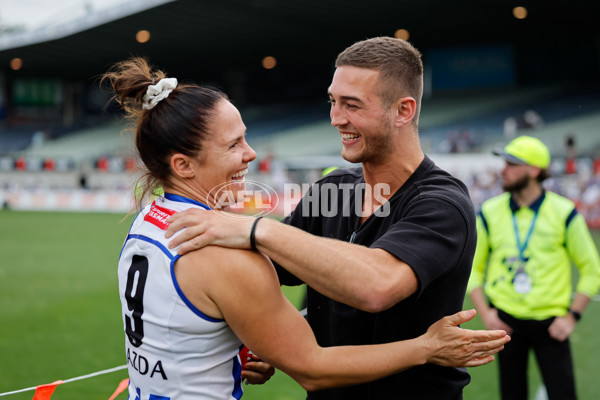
(252, 234)
(575, 314)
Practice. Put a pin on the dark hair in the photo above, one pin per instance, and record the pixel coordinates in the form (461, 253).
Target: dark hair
(177, 124)
(399, 64)
(543, 175)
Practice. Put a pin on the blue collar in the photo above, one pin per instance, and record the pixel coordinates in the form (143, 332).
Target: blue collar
(181, 199)
(535, 206)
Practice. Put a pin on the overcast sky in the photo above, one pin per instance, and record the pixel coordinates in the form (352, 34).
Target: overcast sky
(33, 13)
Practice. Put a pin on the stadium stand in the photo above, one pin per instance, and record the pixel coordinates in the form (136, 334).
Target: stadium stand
(15, 140)
(301, 132)
(72, 140)
(484, 117)
(86, 144)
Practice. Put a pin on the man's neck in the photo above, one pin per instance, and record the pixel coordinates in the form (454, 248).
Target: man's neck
(393, 173)
(386, 178)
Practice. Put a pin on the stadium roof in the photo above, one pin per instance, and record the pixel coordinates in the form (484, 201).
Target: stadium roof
(198, 37)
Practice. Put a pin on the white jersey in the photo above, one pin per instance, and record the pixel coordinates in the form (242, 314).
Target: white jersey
(174, 351)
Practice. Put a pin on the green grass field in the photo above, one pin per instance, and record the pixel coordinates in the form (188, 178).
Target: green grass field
(61, 313)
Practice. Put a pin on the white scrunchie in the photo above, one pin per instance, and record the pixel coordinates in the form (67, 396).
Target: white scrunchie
(156, 93)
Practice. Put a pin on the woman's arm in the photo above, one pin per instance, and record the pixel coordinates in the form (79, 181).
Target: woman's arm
(242, 287)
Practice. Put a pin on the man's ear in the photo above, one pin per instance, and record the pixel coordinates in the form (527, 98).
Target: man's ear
(405, 109)
(182, 166)
(534, 172)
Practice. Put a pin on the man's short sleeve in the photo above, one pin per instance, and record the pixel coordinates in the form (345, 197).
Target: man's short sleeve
(431, 238)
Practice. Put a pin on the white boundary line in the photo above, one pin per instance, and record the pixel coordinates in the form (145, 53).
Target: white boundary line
(106, 371)
(541, 393)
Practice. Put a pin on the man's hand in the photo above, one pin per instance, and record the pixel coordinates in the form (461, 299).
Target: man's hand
(492, 321)
(456, 347)
(562, 327)
(206, 228)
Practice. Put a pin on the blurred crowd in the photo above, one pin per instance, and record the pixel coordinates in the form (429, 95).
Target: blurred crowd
(583, 188)
(582, 184)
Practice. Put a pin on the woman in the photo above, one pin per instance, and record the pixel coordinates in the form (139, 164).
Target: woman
(186, 317)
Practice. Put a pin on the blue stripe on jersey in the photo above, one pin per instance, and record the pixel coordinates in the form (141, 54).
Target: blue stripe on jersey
(154, 242)
(125, 242)
(238, 391)
(172, 197)
(181, 199)
(155, 397)
(185, 299)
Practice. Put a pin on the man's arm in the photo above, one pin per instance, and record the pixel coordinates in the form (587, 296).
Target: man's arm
(488, 315)
(369, 279)
(583, 253)
(242, 288)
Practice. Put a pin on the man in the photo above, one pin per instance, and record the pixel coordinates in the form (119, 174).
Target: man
(395, 254)
(527, 238)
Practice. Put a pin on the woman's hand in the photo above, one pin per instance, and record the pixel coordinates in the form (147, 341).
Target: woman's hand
(257, 372)
(452, 346)
(254, 370)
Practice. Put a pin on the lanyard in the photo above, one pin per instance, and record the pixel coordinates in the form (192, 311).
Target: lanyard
(523, 246)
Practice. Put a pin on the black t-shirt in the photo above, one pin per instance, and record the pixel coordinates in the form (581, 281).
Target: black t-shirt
(430, 225)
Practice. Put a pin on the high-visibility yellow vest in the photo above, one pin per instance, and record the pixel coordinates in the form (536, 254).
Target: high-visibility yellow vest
(560, 235)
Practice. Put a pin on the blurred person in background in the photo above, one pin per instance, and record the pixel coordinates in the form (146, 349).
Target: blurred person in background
(521, 278)
(394, 263)
(186, 317)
